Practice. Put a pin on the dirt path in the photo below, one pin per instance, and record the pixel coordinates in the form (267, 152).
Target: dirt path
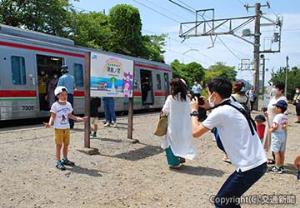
(124, 174)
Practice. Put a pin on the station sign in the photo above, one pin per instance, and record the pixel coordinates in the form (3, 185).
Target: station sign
(111, 76)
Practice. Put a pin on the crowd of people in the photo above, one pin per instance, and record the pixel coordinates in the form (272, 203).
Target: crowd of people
(245, 142)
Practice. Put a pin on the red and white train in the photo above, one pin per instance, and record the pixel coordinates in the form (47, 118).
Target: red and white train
(29, 60)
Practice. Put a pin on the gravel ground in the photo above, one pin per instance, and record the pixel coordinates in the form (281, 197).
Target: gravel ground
(123, 174)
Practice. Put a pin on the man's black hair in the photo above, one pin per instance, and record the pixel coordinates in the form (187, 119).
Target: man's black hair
(220, 85)
(280, 86)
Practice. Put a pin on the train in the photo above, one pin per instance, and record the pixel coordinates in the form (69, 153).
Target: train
(30, 60)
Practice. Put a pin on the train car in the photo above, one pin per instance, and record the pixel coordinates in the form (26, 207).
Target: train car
(29, 61)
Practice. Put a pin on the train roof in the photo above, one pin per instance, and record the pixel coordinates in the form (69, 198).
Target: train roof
(5, 29)
(19, 34)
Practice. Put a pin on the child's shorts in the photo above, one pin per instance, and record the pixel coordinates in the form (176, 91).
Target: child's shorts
(278, 141)
(94, 120)
(62, 136)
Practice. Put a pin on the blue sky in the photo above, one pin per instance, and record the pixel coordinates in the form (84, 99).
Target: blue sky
(167, 17)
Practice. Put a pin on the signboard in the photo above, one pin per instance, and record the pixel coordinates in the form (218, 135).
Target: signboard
(111, 76)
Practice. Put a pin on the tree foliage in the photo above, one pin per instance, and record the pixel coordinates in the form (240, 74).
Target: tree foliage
(91, 30)
(126, 26)
(220, 70)
(189, 72)
(48, 16)
(293, 80)
(119, 31)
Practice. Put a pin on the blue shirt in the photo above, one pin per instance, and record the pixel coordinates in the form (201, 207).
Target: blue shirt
(67, 81)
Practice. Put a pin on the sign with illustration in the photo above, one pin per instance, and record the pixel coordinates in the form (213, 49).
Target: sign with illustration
(111, 76)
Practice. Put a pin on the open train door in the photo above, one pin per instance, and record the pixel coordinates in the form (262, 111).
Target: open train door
(48, 72)
(147, 87)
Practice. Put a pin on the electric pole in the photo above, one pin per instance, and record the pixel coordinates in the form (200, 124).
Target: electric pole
(213, 27)
(263, 58)
(256, 50)
(286, 75)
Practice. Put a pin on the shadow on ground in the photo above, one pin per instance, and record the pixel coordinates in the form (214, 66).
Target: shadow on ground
(199, 171)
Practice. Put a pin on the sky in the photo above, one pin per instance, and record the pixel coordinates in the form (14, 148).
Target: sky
(162, 16)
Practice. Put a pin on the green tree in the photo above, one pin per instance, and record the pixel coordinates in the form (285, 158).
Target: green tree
(91, 30)
(293, 80)
(126, 26)
(153, 47)
(189, 72)
(48, 16)
(220, 70)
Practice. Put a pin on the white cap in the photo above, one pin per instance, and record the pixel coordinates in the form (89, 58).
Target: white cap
(59, 90)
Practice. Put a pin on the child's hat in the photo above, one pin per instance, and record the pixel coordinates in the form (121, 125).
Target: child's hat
(59, 90)
(282, 104)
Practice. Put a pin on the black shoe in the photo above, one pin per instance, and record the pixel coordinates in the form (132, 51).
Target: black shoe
(182, 160)
(60, 166)
(67, 162)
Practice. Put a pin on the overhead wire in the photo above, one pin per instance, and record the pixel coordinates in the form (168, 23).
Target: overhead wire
(188, 8)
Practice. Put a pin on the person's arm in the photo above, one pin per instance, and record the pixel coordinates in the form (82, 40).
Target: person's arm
(77, 118)
(51, 120)
(274, 127)
(197, 128)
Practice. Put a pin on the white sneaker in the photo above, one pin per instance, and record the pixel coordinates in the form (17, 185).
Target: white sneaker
(107, 124)
(114, 125)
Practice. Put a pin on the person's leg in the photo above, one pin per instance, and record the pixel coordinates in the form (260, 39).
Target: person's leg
(106, 111)
(282, 157)
(71, 100)
(66, 143)
(58, 143)
(277, 159)
(236, 185)
(173, 161)
(58, 149)
(112, 111)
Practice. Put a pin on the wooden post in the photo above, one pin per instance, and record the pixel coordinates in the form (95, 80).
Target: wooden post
(130, 118)
(87, 126)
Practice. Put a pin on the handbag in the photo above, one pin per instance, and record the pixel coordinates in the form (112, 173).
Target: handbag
(162, 126)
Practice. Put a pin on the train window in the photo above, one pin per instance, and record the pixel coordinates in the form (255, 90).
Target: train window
(158, 81)
(18, 70)
(78, 75)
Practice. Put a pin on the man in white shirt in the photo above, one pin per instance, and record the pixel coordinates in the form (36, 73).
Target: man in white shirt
(239, 139)
(196, 89)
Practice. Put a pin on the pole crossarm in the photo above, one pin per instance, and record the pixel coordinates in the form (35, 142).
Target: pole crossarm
(212, 27)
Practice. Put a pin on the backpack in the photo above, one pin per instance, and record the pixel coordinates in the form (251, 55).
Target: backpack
(244, 104)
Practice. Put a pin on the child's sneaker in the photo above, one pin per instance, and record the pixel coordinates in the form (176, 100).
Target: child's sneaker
(281, 170)
(107, 124)
(67, 162)
(60, 166)
(277, 170)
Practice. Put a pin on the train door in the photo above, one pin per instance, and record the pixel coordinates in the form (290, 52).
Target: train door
(48, 72)
(147, 87)
(166, 84)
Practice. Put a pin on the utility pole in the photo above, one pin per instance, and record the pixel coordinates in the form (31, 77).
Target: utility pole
(213, 27)
(263, 75)
(286, 75)
(256, 50)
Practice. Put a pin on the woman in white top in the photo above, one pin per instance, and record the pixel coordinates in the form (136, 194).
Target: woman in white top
(178, 140)
(278, 94)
